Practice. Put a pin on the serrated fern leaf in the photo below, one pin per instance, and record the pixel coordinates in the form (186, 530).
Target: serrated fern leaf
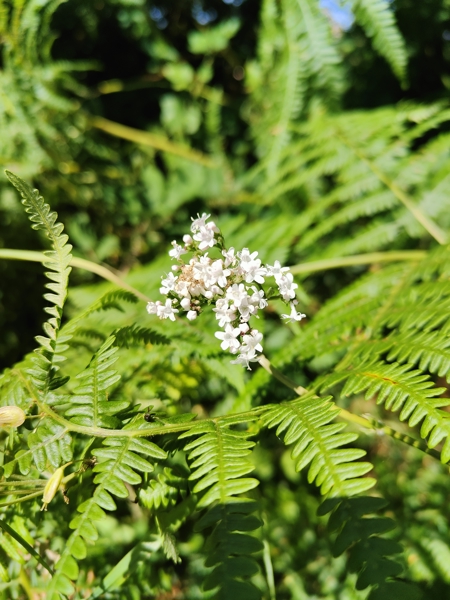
(218, 461)
(376, 17)
(163, 490)
(303, 54)
(118, 462)
(50, 444)
(359, 529)
(90, 405)
(53, 345)
(429, 349)
(133, 335)
(401, 389)
(306, 423)
(229, 548)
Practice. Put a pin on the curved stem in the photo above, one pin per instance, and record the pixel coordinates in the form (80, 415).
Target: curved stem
(80, 263)
(124, 433)
(357, 259)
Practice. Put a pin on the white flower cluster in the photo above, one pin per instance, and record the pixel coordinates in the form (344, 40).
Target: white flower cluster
(233, 284)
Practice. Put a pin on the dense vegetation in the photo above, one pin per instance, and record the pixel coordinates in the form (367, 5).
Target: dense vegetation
(165, 471)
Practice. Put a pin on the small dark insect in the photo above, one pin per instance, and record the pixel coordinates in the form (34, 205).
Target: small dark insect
(150, 417)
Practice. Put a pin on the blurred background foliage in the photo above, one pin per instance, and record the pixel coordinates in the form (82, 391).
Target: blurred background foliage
(302, 126)
(210, 87)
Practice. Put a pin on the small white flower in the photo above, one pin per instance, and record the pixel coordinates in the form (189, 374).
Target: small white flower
(152, 307)
(277, 270)
(192, 314)
(246, 309)
(202, 269)
(219, 274)
(255, 272)
(237, 294)
(294, 316)
(286, 286)
(242, 360)
(177, 250)
(182, 289)
(230, 258)
(205, 237)
(212, 226)
(167, 311)
(224, 314)
(199, 222)
(228, 338)
(246, 258)
(187, 239)
(168, 284)
(257, 298)
(252, 342)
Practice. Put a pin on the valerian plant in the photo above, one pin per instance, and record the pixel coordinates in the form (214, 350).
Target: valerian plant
(81, 442)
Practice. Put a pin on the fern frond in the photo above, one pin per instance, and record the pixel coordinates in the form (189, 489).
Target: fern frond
(377, 19)
(118, 462)
(218, 461)
(345, 168)
(164, 490)
(401, 389)
(53, 345)
(359, 530)
(133, 335)
(299, 40)
(229, 549)
(429, 349)
(306, 423)
(90, 405)
(49, 444)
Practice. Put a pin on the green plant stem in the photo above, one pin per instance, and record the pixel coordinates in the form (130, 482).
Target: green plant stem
(124, 433)
(371, 424)
(9, 530)
(80, 263)
(267, 365)
(434, 230)
(157, 141)
(357, 259)
(23, 499)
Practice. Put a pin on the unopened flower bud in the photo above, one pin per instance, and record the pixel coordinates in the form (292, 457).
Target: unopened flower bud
(187, 239)
(11, 416)
(186, 303)
(191, 315)
(52, 486)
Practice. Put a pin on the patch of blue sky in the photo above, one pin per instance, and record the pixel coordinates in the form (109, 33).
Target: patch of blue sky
(341, 15)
